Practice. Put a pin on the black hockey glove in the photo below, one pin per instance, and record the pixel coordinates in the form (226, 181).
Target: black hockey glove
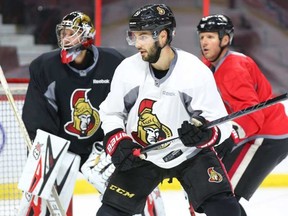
(193, 136)
(120, 147)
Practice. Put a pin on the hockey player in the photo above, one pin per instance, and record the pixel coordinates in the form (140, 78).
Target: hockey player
(68, 84)
(153, 96)
(263, 134)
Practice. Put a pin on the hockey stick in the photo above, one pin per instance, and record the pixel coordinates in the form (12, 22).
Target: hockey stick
(246, 111)
(56, 206)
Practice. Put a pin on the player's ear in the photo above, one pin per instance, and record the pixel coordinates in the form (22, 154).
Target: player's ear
(225, 41)
(163, 36)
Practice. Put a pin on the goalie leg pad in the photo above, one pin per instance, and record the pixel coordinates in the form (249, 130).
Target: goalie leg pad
(154, 204)
(43, 164)
(66, 178)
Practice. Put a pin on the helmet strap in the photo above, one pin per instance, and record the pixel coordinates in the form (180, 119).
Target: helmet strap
(217, 57)
(221, 36)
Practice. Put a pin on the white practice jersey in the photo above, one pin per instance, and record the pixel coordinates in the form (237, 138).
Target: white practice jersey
(151, 109)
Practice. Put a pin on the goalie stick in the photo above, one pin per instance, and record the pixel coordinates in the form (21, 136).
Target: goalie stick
(140, 152)
(55, 205)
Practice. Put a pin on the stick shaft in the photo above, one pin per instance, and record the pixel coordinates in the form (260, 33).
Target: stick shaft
(248, 110)
(226, 118)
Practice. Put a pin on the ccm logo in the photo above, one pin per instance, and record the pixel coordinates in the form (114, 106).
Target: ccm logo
(114, 141)
(121, 191)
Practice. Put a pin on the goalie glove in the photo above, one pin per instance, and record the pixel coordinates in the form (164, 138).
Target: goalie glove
(98, 168)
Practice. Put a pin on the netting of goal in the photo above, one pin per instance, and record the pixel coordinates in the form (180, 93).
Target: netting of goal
(13, 151)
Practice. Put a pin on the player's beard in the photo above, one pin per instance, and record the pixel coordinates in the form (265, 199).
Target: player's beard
(154, 54)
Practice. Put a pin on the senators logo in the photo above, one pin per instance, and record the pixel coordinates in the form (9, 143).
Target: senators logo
(161, 11)
(150, 130)
(214, 176)
(85, 119)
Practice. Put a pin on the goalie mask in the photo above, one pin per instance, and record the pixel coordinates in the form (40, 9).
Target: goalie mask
(75, 33)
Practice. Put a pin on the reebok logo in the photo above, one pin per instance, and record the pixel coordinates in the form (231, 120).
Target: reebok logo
(101, 81)
(168, 93)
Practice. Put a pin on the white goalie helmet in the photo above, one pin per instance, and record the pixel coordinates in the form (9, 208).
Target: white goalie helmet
(82, 31)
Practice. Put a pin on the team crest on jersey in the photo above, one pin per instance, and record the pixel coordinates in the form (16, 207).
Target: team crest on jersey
(214, 176)
(150, 130)
(85, 119)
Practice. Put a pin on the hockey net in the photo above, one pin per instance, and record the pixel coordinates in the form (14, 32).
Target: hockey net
(13, 151)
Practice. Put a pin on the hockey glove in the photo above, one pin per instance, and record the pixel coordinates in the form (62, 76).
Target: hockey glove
(193, 136)
(98, 168)
(120, 146)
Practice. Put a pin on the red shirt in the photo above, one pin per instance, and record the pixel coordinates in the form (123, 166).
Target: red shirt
(242, 84)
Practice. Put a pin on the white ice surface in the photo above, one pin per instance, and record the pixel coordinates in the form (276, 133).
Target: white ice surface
(265, 202)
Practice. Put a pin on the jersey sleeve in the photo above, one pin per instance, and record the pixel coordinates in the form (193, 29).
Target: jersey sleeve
(37, 112)
(113, 111)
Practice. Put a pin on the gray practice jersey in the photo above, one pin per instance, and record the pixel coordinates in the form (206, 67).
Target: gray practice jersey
(151, 109)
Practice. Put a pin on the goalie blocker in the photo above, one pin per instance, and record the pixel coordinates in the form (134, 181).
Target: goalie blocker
(48, 164)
